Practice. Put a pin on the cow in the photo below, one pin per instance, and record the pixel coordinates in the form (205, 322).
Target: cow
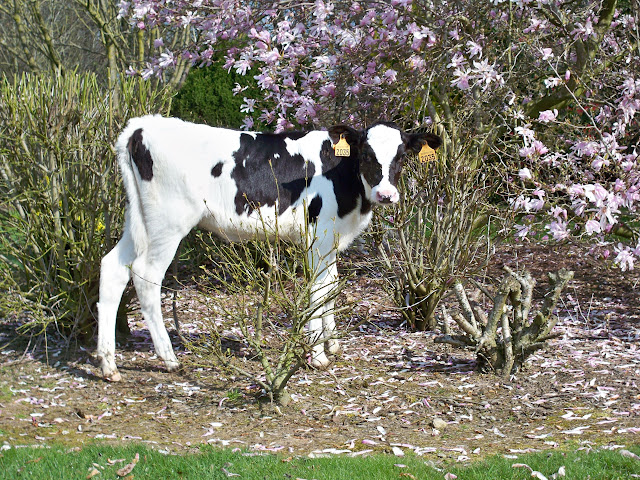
(179, 175)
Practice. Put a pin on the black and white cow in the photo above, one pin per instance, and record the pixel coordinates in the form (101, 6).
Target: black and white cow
(179, 175)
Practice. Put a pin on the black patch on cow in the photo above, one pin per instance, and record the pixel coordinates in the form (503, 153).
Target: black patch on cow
(396, 166)
(216, 171)
(344, 173)
(314, 209)
(265, 172)
(140, 155)
(370, 167)
(366, 205)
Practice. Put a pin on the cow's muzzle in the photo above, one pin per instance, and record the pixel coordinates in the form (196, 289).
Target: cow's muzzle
(386, 196)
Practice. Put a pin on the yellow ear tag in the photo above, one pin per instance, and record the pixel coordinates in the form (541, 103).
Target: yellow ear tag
(427, 154)
(342, 148)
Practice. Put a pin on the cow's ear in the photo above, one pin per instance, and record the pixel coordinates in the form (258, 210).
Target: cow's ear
(417, 140)
(351, 135)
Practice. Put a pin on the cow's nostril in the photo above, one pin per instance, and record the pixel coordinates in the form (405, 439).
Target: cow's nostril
(384, 198)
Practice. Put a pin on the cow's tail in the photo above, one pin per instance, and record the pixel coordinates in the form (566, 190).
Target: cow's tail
(134, 213)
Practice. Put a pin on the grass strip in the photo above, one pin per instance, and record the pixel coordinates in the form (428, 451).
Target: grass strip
(109, 462)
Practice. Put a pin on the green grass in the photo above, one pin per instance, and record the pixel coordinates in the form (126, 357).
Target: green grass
(59, 462)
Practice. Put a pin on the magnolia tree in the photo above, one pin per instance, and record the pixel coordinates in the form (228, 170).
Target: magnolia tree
(546, 90)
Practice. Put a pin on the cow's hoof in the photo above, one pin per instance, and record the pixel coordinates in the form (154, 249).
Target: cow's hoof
(319, 361)
(172, 366)
(113, 377)
(332, 346)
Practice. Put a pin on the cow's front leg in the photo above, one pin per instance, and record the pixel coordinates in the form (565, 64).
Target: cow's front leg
(325, 273)
(331, 344)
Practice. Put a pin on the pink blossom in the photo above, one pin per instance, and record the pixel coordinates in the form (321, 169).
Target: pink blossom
(242, 66)
(525, 174)
(547, 54)
(527, 152)
(462, 79)
(537, 25)
(583, 32)
(474, 49)
(416, 63)
(599, 162)
(558, 212)
(248, 105)
(558, 229)
(247, 123)
(271, 56)
(592, 226)
(401, 3)
(629, 87)
(323, 10)
(552, 82)
(548, 116)
(390, 75)
(596, 193)
(624, 257)
(539, 147)
(619, 185)
(147, 73)
(123, 9)
(522, 231)
(328, 90)
(525, 132)
(486, 73)
(456, 61)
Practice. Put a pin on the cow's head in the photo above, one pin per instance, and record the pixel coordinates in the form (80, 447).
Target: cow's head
(380, 149)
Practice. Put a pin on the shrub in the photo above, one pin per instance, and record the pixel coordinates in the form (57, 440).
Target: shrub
(507, 335)
(258, 310)
(207, 97)
(61, 200)
(446, 229)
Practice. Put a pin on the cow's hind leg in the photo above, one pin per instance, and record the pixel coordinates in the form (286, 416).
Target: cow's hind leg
(114, 276)
(148, 272)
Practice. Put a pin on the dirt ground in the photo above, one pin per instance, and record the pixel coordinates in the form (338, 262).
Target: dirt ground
(389, 391)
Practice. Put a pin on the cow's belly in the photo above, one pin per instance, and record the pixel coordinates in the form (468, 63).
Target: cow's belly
(259, 225)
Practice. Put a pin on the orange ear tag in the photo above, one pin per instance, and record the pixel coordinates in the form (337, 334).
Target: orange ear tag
(342, 148)
(427, 154)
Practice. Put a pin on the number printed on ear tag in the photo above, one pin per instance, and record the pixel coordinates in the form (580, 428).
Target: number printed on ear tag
(342, 148)
(427, 154)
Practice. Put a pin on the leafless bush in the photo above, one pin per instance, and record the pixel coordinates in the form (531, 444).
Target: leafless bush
(507, 335)
(445, 230)
(258, 295)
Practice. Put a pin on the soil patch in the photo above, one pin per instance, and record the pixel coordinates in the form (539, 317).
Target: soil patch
(389, 391)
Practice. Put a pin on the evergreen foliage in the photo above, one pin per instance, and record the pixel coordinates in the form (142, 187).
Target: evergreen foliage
(207, 97)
